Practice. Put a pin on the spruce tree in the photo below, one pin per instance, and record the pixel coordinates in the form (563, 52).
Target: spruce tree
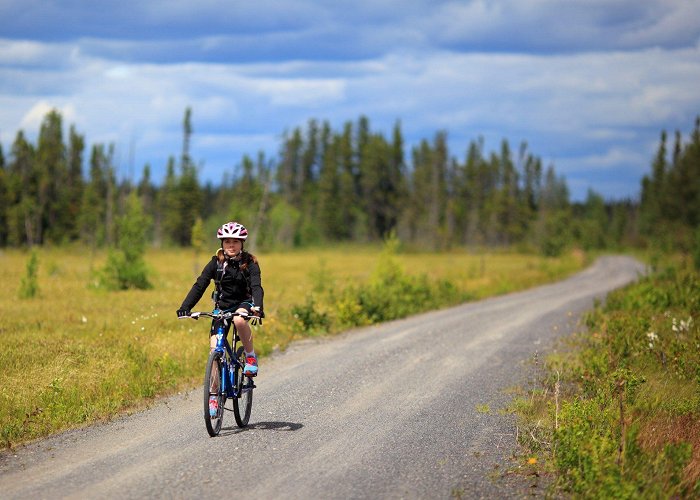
(593, 222)
(553, 228)
(329, 208)
(74, 184)
(470, 195)
(188, 191)
(653, 190)
(23, 186)
(347, 184)
(53, 196)
(95, 222)
(147, 192)
(169, 206)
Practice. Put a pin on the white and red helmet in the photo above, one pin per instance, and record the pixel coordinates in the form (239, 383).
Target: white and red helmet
(232, 230)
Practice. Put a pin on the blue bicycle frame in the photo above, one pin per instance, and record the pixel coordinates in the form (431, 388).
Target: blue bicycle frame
(228, 371)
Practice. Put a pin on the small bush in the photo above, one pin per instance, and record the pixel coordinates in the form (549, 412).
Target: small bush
(126, 267)
(310, 318)
(29, 286)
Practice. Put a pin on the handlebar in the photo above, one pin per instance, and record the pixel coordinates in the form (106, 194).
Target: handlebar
(223, 315)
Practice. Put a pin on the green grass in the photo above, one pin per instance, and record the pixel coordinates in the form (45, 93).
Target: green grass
(620, 414)
(75, 354)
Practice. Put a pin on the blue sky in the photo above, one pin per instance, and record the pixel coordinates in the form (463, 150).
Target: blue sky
(589, 84)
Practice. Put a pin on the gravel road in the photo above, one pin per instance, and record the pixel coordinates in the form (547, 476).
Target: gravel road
(407, 409)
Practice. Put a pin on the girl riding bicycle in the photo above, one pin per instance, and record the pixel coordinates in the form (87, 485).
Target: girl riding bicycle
(236, 274)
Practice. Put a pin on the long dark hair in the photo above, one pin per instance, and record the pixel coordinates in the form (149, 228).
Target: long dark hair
(247, 259)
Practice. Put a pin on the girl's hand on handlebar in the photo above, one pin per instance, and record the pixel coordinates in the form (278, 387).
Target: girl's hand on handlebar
(257, 316)
(183, 313)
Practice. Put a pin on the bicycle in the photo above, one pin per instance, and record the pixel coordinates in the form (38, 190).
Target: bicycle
(223, 376)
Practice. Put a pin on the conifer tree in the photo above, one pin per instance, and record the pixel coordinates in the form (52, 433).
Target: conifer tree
(532, 180)
(147, 192)
(74, 185)
(288, 174)
(553, 228)
(93, 214)
(168, 206)
(188, 191)
(329, 207)
(508, 215)
(471, 197)
(307, 186)
(189, 203)
(653, 189)
(347, 185)
(378, 187)
(23, 187)
(430, 165)
(52, 169)
(683, 184)
(593, 222)
(246, 192)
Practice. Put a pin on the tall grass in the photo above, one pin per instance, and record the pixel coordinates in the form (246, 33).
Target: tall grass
(76, 354)
(626, 423)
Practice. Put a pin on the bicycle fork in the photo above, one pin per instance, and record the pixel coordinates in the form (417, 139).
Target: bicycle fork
(228, 376)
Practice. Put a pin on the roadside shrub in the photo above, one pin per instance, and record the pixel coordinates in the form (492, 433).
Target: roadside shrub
(635, 371)
(390, 293)
(309, 317)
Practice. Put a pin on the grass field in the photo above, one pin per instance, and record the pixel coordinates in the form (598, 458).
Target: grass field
(76, 354)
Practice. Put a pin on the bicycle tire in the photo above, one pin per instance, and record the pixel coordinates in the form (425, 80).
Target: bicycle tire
(212, 387)
(243, 404)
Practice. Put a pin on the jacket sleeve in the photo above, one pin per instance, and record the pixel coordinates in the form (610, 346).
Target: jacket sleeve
(256, 289)
(200, 286)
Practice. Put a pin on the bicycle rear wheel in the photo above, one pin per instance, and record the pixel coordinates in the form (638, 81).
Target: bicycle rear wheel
(212, 388)
(243, 404)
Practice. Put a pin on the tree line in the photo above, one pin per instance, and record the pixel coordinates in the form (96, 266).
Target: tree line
(670, 197)
(326, 186)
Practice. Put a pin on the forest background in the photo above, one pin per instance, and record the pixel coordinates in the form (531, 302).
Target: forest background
(329, 186)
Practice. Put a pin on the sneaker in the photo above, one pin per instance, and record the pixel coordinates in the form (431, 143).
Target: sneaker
(251, 366)
(213, 406)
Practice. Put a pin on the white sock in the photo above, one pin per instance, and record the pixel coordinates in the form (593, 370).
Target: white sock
(252, 353)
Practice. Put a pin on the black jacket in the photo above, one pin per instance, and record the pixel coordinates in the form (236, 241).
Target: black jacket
(239, 279)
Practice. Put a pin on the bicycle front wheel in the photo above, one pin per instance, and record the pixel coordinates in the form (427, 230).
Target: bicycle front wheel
(243, 404)
(214, 399)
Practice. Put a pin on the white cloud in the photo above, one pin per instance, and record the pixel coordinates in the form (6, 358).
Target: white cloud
(300, 93)
(574, 25)
(33, 118)
(614, 157)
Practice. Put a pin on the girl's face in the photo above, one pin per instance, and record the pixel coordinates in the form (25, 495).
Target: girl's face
(232, 247)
